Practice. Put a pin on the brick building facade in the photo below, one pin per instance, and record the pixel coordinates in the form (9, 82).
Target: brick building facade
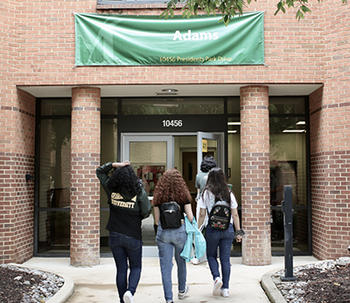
(37, 61)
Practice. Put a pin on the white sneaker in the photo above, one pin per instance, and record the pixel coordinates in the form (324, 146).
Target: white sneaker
(128, 297)
(225, 292)
(217, 286)
(194, 261)
(184, 294)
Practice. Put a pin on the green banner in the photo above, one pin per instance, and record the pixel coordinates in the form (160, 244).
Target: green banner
(151, 40)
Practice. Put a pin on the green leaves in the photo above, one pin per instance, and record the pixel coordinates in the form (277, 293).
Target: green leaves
(230, 8)
(300, 4)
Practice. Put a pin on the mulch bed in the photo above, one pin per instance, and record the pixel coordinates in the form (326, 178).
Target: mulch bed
(12, 289)
(24, 285)
(332, 286)
(327, 282)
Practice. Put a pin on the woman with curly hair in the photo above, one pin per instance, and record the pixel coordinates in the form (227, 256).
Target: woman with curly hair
(128, 204)
(172, 187)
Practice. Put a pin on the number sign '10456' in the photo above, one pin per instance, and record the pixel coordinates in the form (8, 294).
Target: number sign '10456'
(172, 123)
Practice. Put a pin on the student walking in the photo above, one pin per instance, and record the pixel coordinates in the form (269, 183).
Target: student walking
(128, 205)
(171, 199)
(201, 180)
(219, 232)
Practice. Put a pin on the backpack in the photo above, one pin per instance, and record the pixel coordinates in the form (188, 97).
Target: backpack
(170, 215)
(220, 215)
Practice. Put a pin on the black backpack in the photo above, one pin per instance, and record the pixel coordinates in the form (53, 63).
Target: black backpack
(170, 215)
(220, 215)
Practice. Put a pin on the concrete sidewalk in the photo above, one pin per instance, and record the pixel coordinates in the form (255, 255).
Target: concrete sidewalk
(96, 284)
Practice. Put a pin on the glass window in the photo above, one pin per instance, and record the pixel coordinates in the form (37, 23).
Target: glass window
(287, 105)
(234, 166)
(233, 105)
(109, 106)
(56, 107)
(288, 167)
(287, 124)
(234, 125)
(149, 160)
(109, 153)
(171, 106)
(54, 171)
(54, 162)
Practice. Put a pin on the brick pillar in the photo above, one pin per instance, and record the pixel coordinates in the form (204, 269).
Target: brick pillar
(255, 175)
(85, 189)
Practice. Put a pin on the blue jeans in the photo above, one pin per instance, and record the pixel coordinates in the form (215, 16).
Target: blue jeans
(223, 240)
(170, 241)
(124, 249)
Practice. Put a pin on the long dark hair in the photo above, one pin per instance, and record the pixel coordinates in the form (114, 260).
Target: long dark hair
(216, 184)
(171, 187)
(124, 181)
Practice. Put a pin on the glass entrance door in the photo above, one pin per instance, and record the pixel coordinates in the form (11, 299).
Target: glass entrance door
(210, 144)
(150, 156)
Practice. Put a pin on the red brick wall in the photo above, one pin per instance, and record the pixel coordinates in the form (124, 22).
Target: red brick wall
(85, 187)
(37, 40)
(330, 174)
(330, 140)
(17, 124)
(293, 51)
(255, 175)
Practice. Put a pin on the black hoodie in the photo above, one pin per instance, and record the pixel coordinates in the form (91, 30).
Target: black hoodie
(126, 213)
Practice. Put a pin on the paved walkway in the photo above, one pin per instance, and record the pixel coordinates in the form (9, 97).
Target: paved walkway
(96, 284)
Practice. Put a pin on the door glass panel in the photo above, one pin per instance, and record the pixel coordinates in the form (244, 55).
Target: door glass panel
(185, 161)
(212, 147)
(149, 160)
(54, 231)
(209, 144)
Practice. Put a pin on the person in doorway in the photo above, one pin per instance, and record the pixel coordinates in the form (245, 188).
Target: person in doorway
(215, 190)
(128, 204)
(201, 180)
(171, 187)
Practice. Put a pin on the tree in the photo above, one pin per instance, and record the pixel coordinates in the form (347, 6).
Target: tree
(230, 8)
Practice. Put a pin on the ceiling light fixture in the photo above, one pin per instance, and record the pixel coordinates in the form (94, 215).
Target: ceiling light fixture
(232, 131)
(294, 131)
(233, 123)
(300, 123)
(169, 90)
